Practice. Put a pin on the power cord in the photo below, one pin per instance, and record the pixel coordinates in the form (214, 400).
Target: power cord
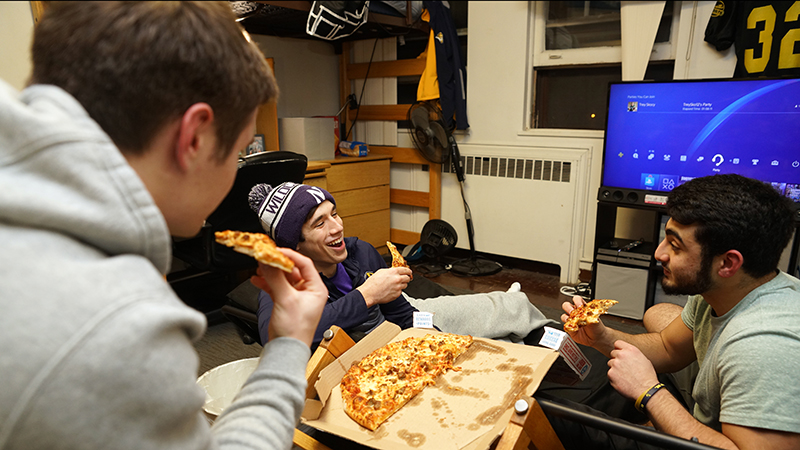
(582, 289)
(363, 88)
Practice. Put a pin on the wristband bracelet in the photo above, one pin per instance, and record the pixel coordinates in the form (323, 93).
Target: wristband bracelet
(645, 397)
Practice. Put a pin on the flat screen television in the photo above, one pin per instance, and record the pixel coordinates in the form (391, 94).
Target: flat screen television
(662, 134)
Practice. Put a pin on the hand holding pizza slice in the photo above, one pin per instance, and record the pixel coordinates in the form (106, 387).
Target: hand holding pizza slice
(587, 314)
(298, 293)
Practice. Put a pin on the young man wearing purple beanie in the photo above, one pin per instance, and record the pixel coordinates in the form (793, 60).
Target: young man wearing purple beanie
(362, 290)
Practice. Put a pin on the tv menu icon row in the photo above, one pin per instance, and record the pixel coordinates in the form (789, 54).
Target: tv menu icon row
(717, 159)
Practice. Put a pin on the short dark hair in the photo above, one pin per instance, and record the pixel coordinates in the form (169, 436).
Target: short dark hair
(134, 66)
(733, 212)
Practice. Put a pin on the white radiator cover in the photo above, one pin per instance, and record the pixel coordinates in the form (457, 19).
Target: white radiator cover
(532, 213)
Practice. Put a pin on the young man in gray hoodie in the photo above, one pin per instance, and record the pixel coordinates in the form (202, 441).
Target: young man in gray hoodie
(127, 134)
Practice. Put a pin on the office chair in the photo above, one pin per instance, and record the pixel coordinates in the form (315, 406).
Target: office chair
(240, 309)
(213, 267)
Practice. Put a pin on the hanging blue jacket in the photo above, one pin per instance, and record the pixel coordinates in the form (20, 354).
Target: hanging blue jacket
(450, 69)
(348, 310)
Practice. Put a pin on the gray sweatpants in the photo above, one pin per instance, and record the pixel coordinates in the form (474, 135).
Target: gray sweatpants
(496, 315)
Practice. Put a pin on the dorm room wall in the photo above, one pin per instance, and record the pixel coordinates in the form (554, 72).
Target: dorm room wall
(16, 32)
(533, 219)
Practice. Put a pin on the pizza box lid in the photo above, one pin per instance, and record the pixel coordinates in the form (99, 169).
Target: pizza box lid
(466, 409)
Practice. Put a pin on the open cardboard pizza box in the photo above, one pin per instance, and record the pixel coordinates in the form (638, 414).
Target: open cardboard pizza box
(466, 409)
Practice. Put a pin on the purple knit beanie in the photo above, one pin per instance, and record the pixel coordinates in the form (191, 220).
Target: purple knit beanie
(283, 209)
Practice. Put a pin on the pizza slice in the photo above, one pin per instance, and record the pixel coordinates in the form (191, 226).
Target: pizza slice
(385, 380)
(258, 245)
(588, 313)
(397, 258)
(438, 352)
(382, 383)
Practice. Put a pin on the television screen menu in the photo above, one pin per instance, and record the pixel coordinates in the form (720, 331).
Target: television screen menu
(660, 135)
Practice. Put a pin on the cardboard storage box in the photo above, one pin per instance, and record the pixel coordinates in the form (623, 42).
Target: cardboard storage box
(311, 136)
(466, 409)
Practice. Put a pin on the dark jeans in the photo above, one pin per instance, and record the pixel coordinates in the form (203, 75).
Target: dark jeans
(594, 395)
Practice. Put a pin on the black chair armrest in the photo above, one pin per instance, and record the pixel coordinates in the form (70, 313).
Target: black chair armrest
(241, 309)
(240, 313)
(246, 323)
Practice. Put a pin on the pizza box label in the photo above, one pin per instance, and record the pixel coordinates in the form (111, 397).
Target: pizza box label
(570, 352)
(466, 409)
(423, 320)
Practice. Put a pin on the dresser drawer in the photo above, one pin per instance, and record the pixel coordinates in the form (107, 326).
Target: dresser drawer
(371, 227)
(360, 201)
(356, 175)
(318, 180)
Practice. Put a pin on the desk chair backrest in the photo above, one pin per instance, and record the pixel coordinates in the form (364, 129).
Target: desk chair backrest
(234, 212)
(267, 167)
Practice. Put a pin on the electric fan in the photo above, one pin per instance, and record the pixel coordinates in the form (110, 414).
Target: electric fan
(436, 239)
(437, 144)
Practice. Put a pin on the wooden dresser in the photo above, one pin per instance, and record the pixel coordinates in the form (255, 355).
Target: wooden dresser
(361, 189)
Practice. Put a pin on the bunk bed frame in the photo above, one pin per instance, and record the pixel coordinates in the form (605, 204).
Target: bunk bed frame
(282, 18)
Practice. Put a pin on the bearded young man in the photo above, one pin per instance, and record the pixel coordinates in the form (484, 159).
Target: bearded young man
(741, 322)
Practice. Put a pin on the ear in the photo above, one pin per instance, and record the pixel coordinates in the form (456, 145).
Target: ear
(195, 134)
(729, 263)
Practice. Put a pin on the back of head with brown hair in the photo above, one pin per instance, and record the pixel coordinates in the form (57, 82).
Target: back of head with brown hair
(134, 66)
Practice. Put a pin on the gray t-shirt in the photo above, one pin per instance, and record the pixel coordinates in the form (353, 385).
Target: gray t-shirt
(749, 358)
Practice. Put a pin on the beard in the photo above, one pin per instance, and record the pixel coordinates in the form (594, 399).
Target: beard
(690, 284)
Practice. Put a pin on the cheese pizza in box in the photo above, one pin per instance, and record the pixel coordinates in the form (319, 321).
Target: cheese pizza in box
(463, 389)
